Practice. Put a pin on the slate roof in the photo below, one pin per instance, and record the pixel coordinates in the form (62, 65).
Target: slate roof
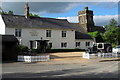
(78, 27)
(99, 28)
(79, 35)
(39, 22)
(9, 38)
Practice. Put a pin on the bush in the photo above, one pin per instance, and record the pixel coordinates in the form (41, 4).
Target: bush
(22, 48)
(65, 50)
(35, 50)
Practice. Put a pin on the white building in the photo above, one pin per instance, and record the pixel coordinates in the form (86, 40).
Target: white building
(60, 33)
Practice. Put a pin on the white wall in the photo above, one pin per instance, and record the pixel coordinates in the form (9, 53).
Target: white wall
(83, 43)
(2, 26)
(55, 38)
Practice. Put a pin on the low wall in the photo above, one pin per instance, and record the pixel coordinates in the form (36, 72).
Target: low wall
(33, 58)
(100, 55)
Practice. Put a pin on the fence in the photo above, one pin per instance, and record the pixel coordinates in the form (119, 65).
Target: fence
(100, 55)
(33, 58)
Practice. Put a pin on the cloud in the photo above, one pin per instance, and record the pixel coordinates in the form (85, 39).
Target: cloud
(51, 7)
(73, 19)
(39, 7)
(98, 20)
(60, 1)
(104, 20)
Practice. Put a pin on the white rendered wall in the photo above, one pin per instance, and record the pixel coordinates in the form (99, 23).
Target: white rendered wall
(83, 43)
(2, 26)
(55, 38)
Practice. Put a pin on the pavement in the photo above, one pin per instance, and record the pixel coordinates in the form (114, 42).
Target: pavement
(63, 65)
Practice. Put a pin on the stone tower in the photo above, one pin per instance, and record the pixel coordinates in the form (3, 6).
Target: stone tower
(26, 10)
(85, 19)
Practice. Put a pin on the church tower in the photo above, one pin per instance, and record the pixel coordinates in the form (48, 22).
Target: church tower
(26, 10)
(85, 19)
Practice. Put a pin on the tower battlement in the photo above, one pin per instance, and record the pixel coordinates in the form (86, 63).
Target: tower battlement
(85, 18)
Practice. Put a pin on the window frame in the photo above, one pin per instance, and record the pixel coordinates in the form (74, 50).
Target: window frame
(87, 43)
(63, 44)
(78, 44)
(64, 34)
(18, 32)
(48, 33)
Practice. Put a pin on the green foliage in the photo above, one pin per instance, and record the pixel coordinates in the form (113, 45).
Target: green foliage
(34, 50)
(10, 12)
(97, 36)
(3, 12)
(113, 23)
(64, 50)
(35, 15)
(112, 34)
(94, 34)
(22, 48)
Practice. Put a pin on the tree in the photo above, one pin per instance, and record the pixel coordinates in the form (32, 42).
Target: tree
(113, 23)
(112, 34)
(35, 15)
(2, 12)
(97, 36)
(10, 12)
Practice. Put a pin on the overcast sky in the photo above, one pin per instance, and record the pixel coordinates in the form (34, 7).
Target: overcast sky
(103, 11)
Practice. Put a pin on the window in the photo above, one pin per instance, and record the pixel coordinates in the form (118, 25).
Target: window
(48, 33)
(77, 44)
(100, 45)
(63, 33)
(50, 44)
(87, 43)
(81, 19)
(63, 44)
(18, 32)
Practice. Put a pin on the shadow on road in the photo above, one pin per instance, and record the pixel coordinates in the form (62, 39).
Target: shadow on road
(57, 57)
(109, 60)
(66, 73)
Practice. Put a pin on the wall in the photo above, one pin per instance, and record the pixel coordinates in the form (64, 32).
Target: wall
(2, 26)
(55, 38)
(83, 43)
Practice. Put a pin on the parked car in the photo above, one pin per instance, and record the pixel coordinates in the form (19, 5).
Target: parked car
(116, 49)
(100, 47)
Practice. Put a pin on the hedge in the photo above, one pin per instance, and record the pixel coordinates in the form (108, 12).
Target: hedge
(64, 50)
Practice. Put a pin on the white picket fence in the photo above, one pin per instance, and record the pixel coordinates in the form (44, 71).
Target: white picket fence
(33, 58)
(100, 55)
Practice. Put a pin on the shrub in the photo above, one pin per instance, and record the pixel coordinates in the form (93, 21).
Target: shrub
(22, 48)
(64, 50)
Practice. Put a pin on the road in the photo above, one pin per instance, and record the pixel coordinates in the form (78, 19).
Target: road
(63, 65)
(108, 69)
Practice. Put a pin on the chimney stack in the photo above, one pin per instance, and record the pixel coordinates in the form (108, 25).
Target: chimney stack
(26, 10)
